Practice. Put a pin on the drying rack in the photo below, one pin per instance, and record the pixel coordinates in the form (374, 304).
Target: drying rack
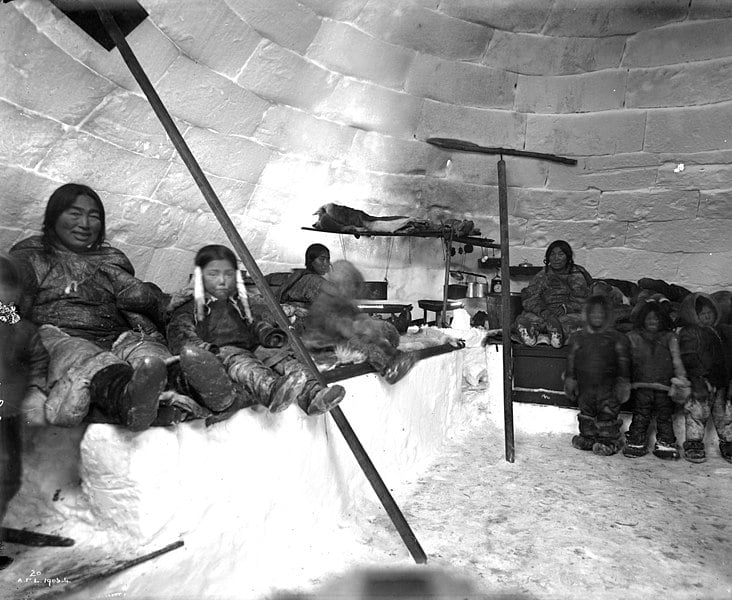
(447, 235)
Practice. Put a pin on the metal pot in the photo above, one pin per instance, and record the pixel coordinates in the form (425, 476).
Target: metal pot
(477, 290)
(457, 290)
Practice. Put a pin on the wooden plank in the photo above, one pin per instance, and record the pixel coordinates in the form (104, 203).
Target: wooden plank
(347, 371)
(460, 239)
(464, 146)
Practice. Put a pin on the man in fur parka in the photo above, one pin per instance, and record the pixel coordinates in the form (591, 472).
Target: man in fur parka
(598, 378)
(702, 353)
(656, 361)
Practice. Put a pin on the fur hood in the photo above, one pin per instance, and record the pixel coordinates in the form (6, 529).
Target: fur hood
(660, 307)
(606, 303)
(691, 305)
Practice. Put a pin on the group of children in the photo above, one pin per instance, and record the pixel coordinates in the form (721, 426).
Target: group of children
(661, 367)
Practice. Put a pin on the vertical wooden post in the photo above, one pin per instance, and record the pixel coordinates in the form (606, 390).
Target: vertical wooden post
(217, 208)
(506, 313)
(448, 250)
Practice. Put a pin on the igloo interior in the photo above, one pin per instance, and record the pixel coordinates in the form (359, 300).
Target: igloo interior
(289, 105)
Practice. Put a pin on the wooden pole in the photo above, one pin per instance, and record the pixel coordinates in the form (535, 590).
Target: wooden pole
(84, 577)
(506, 313)
(217, 208)
(445, 286)
(464, 146)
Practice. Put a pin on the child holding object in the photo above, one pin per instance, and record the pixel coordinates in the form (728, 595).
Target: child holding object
(23, 366)
(703, 355)
(216, 336)
(659, 381)
(598, 378)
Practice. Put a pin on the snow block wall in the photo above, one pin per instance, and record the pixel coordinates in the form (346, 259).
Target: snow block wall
(288, 105)
(249, 496)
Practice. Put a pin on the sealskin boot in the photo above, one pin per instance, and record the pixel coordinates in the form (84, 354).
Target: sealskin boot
(582, 443)
(324, 399)
(69, 399)
(725, 449)
(556, 339)
(206, 376)
(608, 438)
(635, 450)
(634, 446)
(528, 338)
(694, 451)
(137, 405)
(587, 433)
(666, 451)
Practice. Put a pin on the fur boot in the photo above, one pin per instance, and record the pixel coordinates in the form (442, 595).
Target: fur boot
(694, 451)
(205, 374)
(587, 433)
(608, 438)
(71, 395)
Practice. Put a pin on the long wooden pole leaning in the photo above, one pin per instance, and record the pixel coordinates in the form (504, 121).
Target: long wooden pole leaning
(506, 313)
(242, 251)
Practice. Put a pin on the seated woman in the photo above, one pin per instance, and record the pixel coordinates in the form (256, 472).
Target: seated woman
(85, 296)
(553, 301)
(300, 290)
(216, 337)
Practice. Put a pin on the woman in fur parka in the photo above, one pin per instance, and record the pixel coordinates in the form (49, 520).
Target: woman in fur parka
(702, 353)
(552, 302)
(97, 320)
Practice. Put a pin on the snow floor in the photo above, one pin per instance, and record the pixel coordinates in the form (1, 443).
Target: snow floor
(556, 523)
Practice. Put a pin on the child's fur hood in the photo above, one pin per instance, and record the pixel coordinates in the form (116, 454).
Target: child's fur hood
(606, 303)
(641, 312)
(690, 307)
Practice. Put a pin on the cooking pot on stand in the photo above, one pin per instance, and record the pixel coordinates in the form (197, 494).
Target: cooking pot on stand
(477, 289)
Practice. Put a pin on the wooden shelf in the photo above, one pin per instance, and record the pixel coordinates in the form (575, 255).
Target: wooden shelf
(468, 239)
(493, 264)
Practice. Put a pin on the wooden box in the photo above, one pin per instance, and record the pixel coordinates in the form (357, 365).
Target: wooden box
(537, 375)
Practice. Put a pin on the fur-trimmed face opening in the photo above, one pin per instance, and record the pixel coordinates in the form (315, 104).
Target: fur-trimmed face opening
(706, 312)
(597, 312)
(653, 316)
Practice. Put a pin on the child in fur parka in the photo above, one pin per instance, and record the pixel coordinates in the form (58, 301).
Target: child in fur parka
(23, 367)
(216, 336)
(702, 353)
(657, 372)
(598, 378)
